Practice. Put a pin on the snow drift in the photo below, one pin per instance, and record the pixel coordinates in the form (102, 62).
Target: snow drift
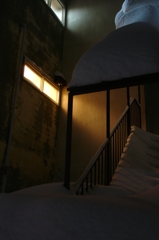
(127, 209)
(129, 5)
(138, 15)
(132, 50)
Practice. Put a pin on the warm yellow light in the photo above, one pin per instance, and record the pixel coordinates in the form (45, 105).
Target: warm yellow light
(32, 76)
(42, 83)
(51, 91)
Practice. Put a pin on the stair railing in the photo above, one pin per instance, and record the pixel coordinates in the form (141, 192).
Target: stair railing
(102, 166)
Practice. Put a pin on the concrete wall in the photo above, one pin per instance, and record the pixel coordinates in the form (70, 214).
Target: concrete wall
(87, 23)
(31, 157)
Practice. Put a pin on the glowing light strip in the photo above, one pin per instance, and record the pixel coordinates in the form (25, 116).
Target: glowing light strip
(43, 85)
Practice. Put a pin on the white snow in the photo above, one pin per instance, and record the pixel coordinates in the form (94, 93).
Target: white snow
(132, 50)
(142, 13)
(138, 169)
(127, 209)
(129, 5)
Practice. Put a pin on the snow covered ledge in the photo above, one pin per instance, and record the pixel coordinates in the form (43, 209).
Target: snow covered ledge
(130, 51)
(133, 11)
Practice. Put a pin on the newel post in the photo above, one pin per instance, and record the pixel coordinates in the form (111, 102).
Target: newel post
(68, 142)
(128, 104)
(139, 100)
(108, 162)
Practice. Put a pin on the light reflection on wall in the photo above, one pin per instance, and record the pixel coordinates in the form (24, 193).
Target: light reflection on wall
(88, 130)
(89, 125)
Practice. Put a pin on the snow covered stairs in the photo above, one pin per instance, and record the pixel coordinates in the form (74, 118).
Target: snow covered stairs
(138, 168)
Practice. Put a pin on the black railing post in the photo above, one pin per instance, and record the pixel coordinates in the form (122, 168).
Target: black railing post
(108, 159)
(139, 94)
(128, 104)
(68, 142)
(139, 100)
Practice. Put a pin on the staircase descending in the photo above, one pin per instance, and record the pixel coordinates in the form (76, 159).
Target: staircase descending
(102, 166)
(136, 173)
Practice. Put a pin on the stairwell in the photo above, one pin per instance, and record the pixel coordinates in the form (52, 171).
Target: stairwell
(103, 164)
